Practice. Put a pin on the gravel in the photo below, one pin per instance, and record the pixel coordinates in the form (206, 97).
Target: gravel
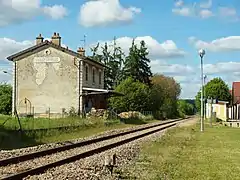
(10, 169)
(17, 152)
(87, 168)
(92, 168)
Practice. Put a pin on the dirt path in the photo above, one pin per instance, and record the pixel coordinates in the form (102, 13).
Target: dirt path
(189, 122)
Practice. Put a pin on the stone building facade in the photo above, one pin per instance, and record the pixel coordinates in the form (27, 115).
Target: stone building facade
(50, 79)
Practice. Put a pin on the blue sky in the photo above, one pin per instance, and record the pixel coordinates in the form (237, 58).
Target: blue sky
(174, 31)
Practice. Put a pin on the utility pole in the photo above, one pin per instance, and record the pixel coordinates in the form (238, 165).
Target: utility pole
(205, 77)
(201, 54)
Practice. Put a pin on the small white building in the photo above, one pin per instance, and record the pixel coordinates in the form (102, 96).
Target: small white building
(221, 110)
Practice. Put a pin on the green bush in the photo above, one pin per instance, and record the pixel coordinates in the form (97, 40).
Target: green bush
(185, 108)
(136, 96)
(5, 99)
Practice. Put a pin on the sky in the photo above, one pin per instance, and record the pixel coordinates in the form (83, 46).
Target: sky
(174, 31)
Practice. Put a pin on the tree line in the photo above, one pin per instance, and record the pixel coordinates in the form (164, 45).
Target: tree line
(131, 75)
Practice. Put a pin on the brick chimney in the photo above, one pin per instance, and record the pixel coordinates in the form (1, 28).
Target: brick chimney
(81, 51)
(56, 39)
(39, 39)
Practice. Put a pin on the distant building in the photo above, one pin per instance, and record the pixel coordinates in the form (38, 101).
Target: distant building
(49, 77)
(234, 109)
(221, 110)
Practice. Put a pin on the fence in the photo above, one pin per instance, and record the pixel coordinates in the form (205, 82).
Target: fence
(51, 120)
(45, 112)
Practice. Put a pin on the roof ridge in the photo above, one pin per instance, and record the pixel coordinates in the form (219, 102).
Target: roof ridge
(46, 42)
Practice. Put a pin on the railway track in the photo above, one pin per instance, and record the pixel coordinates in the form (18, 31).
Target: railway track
(38, 162)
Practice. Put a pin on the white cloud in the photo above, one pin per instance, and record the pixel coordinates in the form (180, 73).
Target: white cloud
(103, 12)
(205, 13)
(189, 77)
(167, 49)
(225, 44)
(227, 11)
(10, 46)
(189, 90)
(179, 3)
(223, 67)
(16, 11)
(183, 11)
(56, 11)
(206, 5)
(194, 10)
(204, 9)
(170, 69)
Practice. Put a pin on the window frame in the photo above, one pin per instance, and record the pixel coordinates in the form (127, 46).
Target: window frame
(86, 72)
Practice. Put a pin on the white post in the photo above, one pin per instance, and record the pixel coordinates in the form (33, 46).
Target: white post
(202, 93)
(201, 54)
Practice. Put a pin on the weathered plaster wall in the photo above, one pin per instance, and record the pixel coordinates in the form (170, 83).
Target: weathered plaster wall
(89, 83)
(47, 85)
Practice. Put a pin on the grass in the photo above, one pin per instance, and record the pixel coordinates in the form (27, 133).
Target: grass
(42, 132)
(39, 123)
(186, 153)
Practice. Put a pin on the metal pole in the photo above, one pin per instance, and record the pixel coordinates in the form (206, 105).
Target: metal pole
(211, 111)
(204, 98)
(202, 94)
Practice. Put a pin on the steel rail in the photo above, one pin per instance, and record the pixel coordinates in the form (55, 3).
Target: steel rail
(41, 169)
(34, 155)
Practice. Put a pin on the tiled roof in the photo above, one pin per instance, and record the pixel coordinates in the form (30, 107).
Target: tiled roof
(48, 43)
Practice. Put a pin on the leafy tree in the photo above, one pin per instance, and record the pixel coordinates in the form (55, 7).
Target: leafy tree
(216, 88)
(5, 99)
(168, 91)
(185, 108)
(137, 96)
(137, 64)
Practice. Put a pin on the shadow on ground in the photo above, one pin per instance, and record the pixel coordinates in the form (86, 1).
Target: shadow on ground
(13, 139)
(133, 121)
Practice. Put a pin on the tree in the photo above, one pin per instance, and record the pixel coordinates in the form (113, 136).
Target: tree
(97, 57)
(5, 99)
(113, 62)
(116, 64)
(137, 64)
(136, 96)
(165, 98)
(216, 88)
(185, 108)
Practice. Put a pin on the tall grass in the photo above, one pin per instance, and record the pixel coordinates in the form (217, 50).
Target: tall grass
(40, 130)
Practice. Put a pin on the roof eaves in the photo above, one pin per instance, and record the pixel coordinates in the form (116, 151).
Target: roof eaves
(10, 58)
(99, 63)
